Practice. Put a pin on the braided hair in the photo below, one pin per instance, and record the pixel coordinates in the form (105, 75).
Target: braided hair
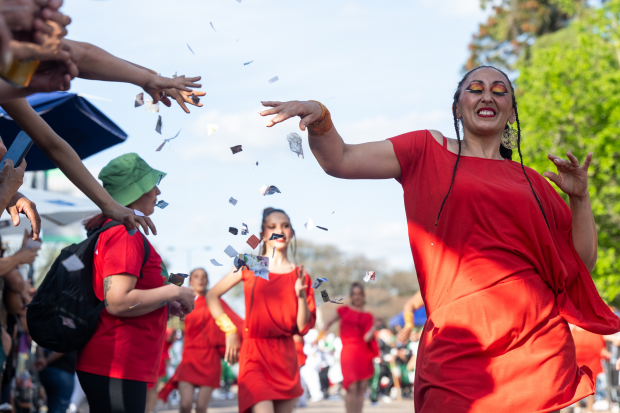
(504, 152)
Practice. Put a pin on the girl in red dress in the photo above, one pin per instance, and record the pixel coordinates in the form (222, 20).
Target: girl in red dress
(203, 349)
(502, 261)
(275, 310)
(359, 347)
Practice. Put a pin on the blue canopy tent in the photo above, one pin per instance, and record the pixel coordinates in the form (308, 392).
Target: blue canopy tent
(419, 318)
(74, 119)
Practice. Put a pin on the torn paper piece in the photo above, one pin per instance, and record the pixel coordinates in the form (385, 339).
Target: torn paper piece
(370, 276)
(236, 149)
(244, 229)
(273, 79)
(324, 296)
(323, 228)
(159, 125)
(160, 147)
(233, 230)
(274, 252)
(177, 279)
(276, 236)
(32, 244)
(238, 1)
(212, 27)
(253, 241)
(151, 107)
(268, 190)
(135, 305)
(232, 201)
(335, 301)
(245, 64)
(132, 232)
(217, 264)
(294, 143)
(317, 283)
(211, 127)
(73, 263)
(190, 49)
(258, 264)
(195, 99)
(230, 251)
(68, 322)
(138, 213)
(239, 262)
(256, 163)
(167, 140)
(309, 225)
(139, 100)
(162, 204)
(159, 180)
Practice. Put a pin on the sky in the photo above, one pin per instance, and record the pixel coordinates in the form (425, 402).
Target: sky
(382, 68)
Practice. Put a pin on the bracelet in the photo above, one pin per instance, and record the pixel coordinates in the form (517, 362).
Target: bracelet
(226, 325)
(323, 124)
(408, 320)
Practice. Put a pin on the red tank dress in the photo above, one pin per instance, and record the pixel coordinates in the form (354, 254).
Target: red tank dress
(203, 348)
(499, 286)
(356, 358)
(589, 347)
(268, 368)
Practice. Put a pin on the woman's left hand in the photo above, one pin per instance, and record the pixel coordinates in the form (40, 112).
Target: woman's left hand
(182, 98)
(158, 84)
(128, 218)
(571, 178)
(300, 287)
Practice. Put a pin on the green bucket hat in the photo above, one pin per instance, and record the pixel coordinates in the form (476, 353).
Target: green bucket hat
(128, 177)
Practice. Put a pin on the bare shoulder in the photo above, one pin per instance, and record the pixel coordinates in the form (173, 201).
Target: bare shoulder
(437, 135)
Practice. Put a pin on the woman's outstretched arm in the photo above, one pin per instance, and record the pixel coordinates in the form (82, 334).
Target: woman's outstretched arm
(372, 160)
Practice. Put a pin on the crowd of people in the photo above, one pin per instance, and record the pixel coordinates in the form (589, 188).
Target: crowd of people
(503, 263)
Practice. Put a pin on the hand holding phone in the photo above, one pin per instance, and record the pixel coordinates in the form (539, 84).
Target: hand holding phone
(19, 148)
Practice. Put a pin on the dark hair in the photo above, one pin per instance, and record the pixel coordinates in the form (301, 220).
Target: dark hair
(504, 152)
(266, 213)
(354, 285)
(196, 269)
(96, 221)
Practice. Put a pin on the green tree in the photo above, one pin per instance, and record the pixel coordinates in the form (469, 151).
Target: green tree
(568, 92)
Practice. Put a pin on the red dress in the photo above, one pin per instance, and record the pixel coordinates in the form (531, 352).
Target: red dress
(301, 356)
(498, 285)
(203, 348)
(589, 347)
(268, 367)
(163, 361)
(357, 355)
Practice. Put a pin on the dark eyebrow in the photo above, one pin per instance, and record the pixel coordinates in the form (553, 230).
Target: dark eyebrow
(499, 81)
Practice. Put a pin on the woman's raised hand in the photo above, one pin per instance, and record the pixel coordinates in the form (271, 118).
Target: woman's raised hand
(571, 178)
(307, 111)
(233, 344)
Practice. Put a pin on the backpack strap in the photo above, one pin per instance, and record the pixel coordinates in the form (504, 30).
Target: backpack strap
(145, 243)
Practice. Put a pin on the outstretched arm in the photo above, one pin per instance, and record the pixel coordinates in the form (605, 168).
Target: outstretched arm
(372, 160)
(409, 308)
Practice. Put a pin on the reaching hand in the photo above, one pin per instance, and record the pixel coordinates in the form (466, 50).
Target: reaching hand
(233, 344)
(182, 98)
(52, 75)
(158, 84)
(11, 178)
(128, 218)
(308, 112)
(571, 178)
(19, 204)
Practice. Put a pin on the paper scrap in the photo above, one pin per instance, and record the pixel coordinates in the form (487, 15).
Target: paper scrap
(190, 49)
(239, 262)
(276, 236)
(245, 64)
(159, 125)
(253, 241)
(132, 232)
(73, 263)
(232, 201)
(324, 296)
(139, 100)
(370, 276)
(323, 228)
(335, 301)
(159, 180)
(231, 252)
(167, 140)
(151, 107)
(138, 213)
(135, 305)
(273, 79)
(32, 244)
(244, 229)
(256, 263)
(236, 149)
(268, 190)
(212, 27)
(68, 322)
(256, 163)
(211, 127)
(274, 252)
(233, 230)
(162, 204)
(317, 283)
(177, 279)
(195, 99)
(217, 264)
(309, 225)
(160, 147)
(294, 143)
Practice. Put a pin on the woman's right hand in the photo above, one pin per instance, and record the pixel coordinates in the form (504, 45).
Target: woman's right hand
(185, 297)
(233, 344)
(309, 112)
(403, 335)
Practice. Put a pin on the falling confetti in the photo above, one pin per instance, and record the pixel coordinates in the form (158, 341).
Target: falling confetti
(294, 143)
(212, 27)
(73, 263)
(139, 100)
(195, 99)
(232, 201)
(167, 140)
(323, 228)
(190, 49)
(159, 125)
(276, 236)
(236, 149)
(217, 264)
(244, 229)
(317, 283)
(370, 276)
(211, 128)
(233, 230)
(162, 204)
(231, 252)
(245, 64)
(273, 79)
(149, 106)
(268, 190)
(309, 225)
(253, 241)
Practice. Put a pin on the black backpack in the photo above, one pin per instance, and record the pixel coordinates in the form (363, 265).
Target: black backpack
(63, 314)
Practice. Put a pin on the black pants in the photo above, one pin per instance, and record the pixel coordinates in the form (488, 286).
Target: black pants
(109, 395)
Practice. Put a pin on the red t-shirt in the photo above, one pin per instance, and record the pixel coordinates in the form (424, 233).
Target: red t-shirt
(126, 347)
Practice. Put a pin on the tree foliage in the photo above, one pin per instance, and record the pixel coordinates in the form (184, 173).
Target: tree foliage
(568, 94)
(514, 25)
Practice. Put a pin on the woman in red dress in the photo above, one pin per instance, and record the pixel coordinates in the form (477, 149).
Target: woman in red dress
(503, 263)
(203, 349)
(590, 350)
(276, 309)
(359, 347)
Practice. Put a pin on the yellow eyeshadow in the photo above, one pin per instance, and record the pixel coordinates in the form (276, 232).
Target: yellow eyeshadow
(476, 86)
(499, 89)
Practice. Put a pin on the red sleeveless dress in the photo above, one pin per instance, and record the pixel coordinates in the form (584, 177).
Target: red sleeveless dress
(268, 368)
(499, 286)
(356, 358)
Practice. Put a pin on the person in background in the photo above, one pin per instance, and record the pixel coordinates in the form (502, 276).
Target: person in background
(590, 350)
(124, 353)
(359, 347)
(410, 307)
(152, 388)
(203, 349)
(56, 372)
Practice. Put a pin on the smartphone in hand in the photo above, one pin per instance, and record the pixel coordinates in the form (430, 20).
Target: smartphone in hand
(18, 150)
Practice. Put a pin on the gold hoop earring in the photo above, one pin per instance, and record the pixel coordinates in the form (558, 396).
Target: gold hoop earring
(509, 138)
